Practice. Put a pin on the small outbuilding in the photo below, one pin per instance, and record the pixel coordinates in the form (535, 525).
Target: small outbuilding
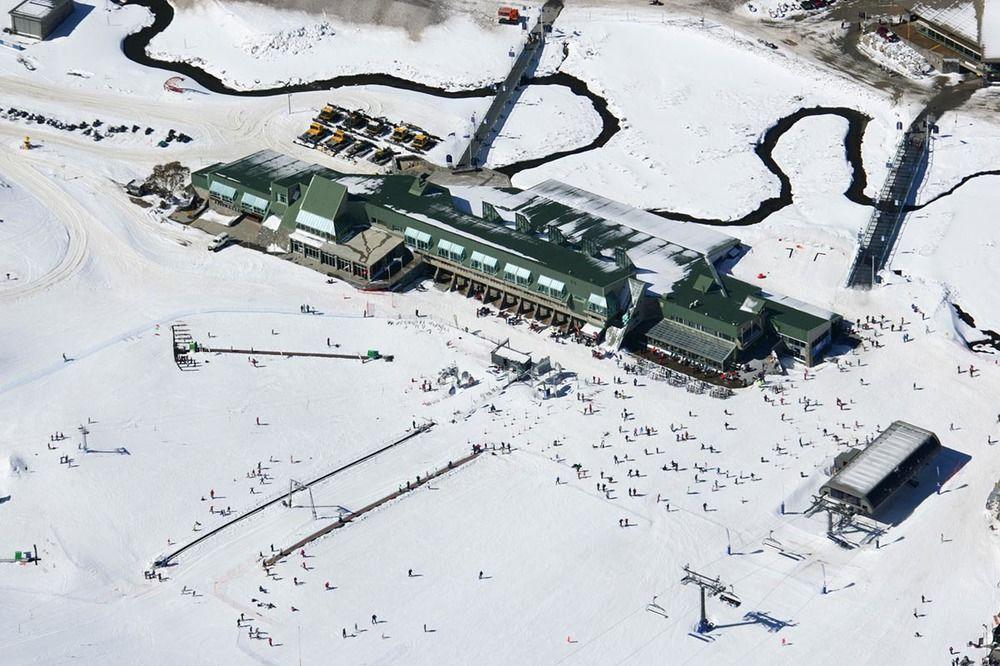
(873, 475)
(510, 359)
(38, 18)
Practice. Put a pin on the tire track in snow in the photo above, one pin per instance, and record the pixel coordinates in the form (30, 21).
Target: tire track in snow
(55, 199)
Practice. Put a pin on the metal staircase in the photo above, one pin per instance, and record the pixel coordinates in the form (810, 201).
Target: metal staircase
(906, 172)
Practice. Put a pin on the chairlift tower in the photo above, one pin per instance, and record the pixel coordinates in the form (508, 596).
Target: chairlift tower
(294, 485)
(710, 587)
(83, 433)
(844, 513)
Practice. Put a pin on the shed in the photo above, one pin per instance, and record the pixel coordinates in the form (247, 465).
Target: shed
(38, 18)
(881, 469)
(505, 357)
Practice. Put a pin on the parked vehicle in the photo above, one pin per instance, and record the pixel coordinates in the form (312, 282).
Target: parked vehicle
(401, 134)
(382, 155)
(421, 142)
(219, 242)
(886, 34)
(509, 15)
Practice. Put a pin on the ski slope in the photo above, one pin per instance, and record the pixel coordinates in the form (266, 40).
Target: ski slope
(101, 281)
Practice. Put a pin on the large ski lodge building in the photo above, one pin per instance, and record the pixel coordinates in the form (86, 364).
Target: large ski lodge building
(553, 252)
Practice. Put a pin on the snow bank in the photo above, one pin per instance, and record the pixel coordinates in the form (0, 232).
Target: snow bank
(898, 57)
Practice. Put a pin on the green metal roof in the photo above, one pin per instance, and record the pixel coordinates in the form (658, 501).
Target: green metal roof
(436, 207)
(793, 322)
(722, 303)
(324, 197)
(700, 298)
(258, 170)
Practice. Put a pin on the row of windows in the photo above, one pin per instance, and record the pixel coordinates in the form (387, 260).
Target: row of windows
(598, 309)
(483, 267)
(554, 292)
(330, 260)
(947, 41)
(317, 232)
(700, 327)
(488, 265)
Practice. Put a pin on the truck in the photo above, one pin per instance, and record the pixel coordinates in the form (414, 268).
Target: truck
(382, 155)
(338, 141)
(401, 134)
(314, 134)
(509, 15)
(421, 142)
(376, 127)
(356, 120)
(330, 114)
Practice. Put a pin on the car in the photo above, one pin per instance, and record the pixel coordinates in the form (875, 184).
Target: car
(219, 242)
(886, 34)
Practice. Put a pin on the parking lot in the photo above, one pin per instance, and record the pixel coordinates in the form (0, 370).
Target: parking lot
(354, 135)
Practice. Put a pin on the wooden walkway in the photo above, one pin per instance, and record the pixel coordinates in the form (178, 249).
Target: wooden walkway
(345, 519)
(170, 557)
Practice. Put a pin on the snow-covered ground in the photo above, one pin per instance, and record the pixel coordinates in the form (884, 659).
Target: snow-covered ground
(250, 45)
(952, 243)
(545, 119)
(100, 27)
(33, 241)
(670, 153)
(810, 245)
(562, 580)
(968, 141)
(101, 280)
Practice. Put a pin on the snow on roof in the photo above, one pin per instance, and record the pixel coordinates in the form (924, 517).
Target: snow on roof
(360, 184)
(796, 304)
(512, 355)
(441, 224)
(889, 450)
(472, 197)
(661, 265)
(989, 30)
(37, 8)
(272, 223)
(660, 249)
(686, 234)
(958, 18)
